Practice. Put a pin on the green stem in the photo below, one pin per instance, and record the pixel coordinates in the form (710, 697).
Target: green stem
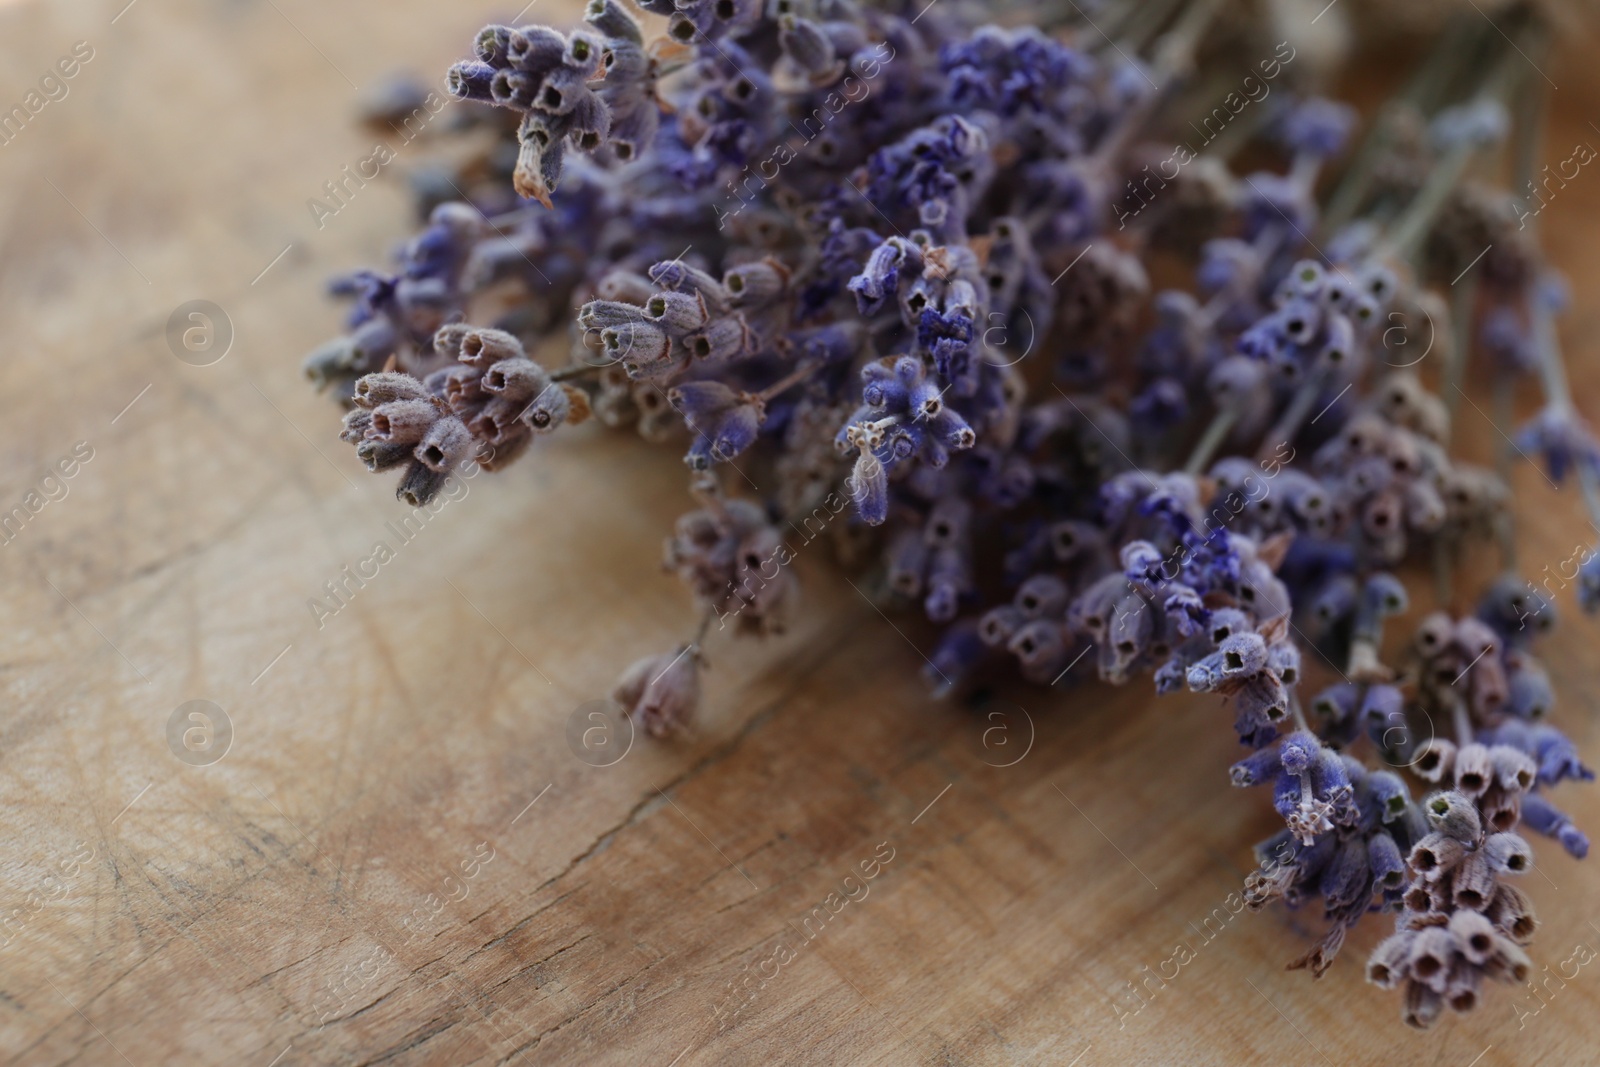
(1146, 21)
(1434, 74)
(1462, 300)
(575, 371)
(1284, 430)
(1405, 237)
(800, 374)
(1443, 553)
(1221, 424)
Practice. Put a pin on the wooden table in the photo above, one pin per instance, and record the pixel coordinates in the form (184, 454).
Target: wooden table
(399, 859)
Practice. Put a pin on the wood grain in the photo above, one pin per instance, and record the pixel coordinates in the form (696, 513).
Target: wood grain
(292, 903)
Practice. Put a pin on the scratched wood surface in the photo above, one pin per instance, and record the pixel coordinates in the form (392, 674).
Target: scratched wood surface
(361, 877)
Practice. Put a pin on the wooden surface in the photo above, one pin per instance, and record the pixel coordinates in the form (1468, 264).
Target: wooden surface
(361, 879)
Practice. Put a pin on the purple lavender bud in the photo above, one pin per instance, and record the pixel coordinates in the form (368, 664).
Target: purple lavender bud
(482, 348)
(1300, 320)
(1283, 659)
(756, 285)
(635, 120)
(949, 522)
(721, 341)
(1256, 769)
(1286, 793)
(1384, 859)
(836, 343)
(1241, 655)
(330, 363)
(1225, 622)
(1163, 404)
(1227, 263)
(1317, 127)
(1254, 730)
(627, 68)
(1330, 776)
(1388, 791)
(1205, 675)
(644, 350)
(1040, 642)
(402, 421)
(583, 55)
(1383, 704)
(471, 80)
(1335, 600)
(1543, 818)
(882, 388)
(1453, 814)
(1508, 852)
(613, 20)
(516, 379)
(1530, 695)
(879, 279)
(382, 455)
(955, 659)
(1299, 751)
(1072, 540)
(535, 49)
(1142, 563)
(925, 400)
(609, 314)
(1132, 624)
(1263, 696)
(805, 42)
(1237, 382)
(661, 692)
(562, 90)
(952, 430)
(1185, 612)
(997, 624)
(702, 401)
(737, 432)
(678, 314)
(419, 485)
(1171, 676)
(1339, 293)
(1383, 595)
(1042, 595)
(514, 89)
(371, 390)
(355, 425)
(550, 409)
(1090, 613)
(446, 445)
(905, 560)
(1514, 770)
(1339, 342)
(681, 277)
(869, 489)
(1557, 756)
(1506, 338)
(491, 45)
(1337, 702)
(1348, 878)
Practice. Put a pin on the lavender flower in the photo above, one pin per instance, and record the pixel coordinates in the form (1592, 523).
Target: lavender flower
(888, 274)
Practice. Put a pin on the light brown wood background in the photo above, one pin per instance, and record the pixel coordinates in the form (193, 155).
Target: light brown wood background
(286, 905)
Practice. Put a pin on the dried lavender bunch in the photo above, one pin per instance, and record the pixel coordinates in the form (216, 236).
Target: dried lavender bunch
(804, 237)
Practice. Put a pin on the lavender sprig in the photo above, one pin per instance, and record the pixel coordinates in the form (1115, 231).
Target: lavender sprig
(893, 270)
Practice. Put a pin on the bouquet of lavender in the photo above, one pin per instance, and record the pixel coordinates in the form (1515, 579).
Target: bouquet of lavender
(900, 263)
